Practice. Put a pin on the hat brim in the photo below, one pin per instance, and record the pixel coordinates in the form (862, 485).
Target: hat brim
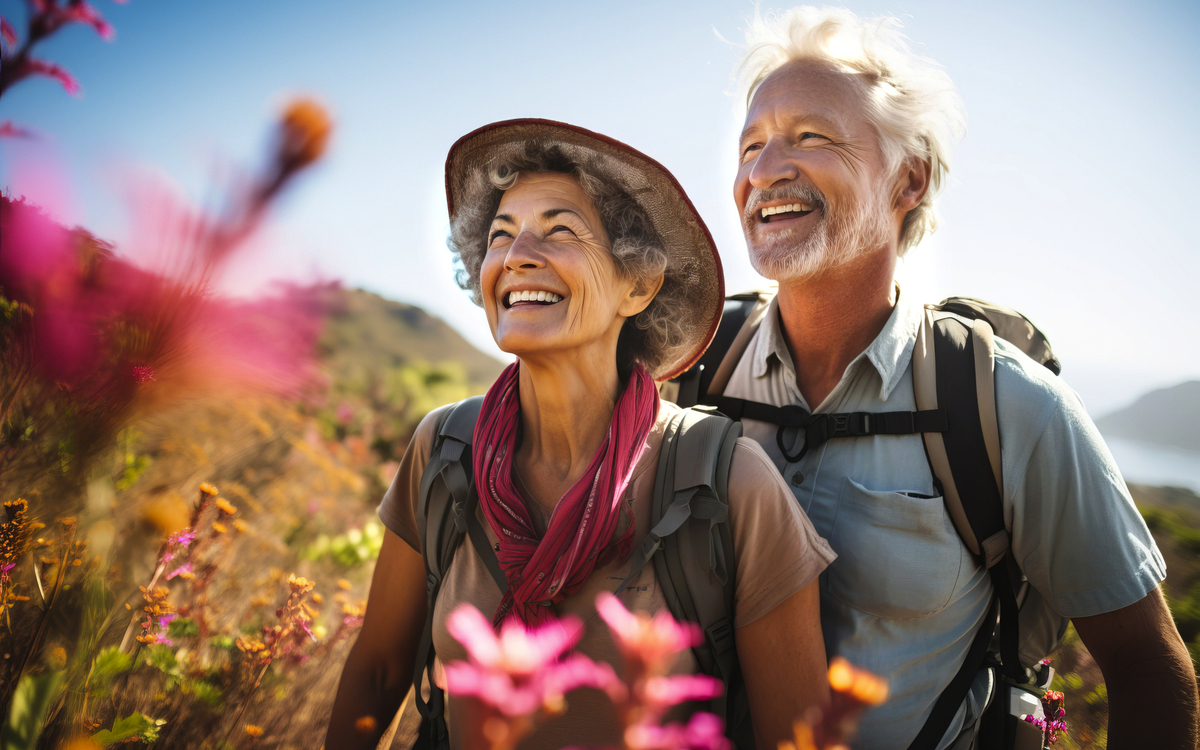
(688, 243)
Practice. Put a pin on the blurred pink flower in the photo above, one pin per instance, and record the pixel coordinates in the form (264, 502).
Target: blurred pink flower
(80, 12)
(8, 34)
(142, 374)
(9, 130)
(166, 620)
(703, 732)
(184, 570)
(161, 639)
(671, 691)
(646, 639)
(521, 670)
(33, 66)
(345, 413)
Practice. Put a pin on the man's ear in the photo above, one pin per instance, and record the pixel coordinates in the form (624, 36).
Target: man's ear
(639, 296)
(912, 184)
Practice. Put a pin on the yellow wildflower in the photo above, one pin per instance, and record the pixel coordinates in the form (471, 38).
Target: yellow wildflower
(226, 506)
(207, 488)
(254, 730)
(219, 527)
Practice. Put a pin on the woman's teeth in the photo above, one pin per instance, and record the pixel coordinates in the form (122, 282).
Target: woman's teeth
(789, 208)
(532, 296)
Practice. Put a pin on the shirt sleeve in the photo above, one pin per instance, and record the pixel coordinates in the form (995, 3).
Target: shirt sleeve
(778, 551)
(1076, 532)
(398, 509)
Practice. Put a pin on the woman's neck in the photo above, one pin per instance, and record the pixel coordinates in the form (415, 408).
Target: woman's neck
(566, 409)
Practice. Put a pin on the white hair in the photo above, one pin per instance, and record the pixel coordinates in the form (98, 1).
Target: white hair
(911, 101)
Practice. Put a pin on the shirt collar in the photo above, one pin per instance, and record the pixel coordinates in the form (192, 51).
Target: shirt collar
(889, 353)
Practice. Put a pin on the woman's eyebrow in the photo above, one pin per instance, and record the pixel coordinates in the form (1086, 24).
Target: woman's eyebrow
(551, 213)
(504, 218)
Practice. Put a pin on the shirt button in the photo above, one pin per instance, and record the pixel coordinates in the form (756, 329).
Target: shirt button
(797, 479)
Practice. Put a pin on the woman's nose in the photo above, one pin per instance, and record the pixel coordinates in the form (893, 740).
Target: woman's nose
(524, 253)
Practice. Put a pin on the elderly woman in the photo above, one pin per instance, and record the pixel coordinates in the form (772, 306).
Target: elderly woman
(595, 271)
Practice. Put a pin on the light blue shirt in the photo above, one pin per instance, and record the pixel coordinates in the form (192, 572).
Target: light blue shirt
(905, 597)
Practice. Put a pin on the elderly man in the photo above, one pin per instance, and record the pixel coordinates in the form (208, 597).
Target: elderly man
(844, 146)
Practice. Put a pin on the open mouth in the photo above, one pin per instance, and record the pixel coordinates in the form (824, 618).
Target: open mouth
(531, 297)
(786, 211)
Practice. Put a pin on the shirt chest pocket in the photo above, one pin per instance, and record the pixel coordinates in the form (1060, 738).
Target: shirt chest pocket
(899, 556)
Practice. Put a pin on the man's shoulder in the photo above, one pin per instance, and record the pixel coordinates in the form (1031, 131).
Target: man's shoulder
(1025, 388)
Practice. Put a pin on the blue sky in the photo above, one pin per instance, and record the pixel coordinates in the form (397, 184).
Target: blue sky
(1069, 200)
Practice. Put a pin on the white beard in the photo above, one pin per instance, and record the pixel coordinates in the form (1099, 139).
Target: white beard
(838, 238)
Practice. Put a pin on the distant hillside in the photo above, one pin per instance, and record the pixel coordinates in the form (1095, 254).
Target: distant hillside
(1168, 416)
(367, 333)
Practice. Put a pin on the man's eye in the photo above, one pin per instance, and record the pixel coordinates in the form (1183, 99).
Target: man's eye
(498, 233)
(806, 136)
(751, 147)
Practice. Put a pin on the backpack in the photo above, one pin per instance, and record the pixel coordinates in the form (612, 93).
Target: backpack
(689, 544)
(953, 379)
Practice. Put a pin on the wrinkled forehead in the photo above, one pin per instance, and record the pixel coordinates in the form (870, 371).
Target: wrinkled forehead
(811, 89)
(539, 195)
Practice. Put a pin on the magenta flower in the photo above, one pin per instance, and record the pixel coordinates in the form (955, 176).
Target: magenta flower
(703, 732)
(521, 670)
(9, 130)
(643, 638)
(161, 639)
(166, 620)
(142, 374)
(81, 12)
(183, 538)
(7, 32)
(34, 66)
(671, 691)
(184, 570)
(4, 571)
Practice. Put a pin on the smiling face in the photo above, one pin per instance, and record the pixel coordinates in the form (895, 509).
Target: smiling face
(548, 279)
(811, 183)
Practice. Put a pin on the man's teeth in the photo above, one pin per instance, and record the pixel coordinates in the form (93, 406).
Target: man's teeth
(797, 207)
(533, 296)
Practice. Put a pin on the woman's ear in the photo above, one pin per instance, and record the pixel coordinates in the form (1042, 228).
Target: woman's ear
(639, 296)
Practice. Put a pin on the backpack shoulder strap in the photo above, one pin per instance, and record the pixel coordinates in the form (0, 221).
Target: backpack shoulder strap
(954, 371)
(445, 511)
(696, 565)
(740, 320)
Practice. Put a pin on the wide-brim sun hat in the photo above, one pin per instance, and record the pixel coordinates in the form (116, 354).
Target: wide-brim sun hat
(692, 258)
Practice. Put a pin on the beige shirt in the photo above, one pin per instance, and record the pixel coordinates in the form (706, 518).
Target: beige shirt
(777, 553)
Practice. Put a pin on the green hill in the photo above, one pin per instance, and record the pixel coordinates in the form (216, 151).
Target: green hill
(367, 334)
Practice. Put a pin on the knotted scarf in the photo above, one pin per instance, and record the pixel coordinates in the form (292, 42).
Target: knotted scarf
(544, 571)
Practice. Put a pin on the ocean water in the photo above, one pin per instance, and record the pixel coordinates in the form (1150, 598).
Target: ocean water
(1146, 463)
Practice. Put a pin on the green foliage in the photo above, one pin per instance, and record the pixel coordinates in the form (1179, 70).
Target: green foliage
(1065, 682)
(355, 547)
(136, 726)
(108, 664)
(33, 698)
(163, 659)
(206, 692)
(182, 627)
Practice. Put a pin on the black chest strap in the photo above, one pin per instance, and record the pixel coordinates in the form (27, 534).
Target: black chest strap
(821, 427)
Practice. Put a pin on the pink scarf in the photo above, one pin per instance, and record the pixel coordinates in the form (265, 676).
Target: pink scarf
(545, 571)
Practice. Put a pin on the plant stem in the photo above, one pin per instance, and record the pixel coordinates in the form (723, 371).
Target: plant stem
(246, 701)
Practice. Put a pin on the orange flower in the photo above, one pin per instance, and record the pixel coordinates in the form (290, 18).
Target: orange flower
(304, 133)
(207, 488)
(365, 724)
(219, 527)
(254, 730)
(226, 506)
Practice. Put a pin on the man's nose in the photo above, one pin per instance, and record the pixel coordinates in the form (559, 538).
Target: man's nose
(524, 253)
(773, 166)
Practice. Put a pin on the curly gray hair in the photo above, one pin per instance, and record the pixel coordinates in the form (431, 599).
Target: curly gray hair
(654, 336)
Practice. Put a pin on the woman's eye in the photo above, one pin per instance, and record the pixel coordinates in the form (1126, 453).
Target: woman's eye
(560, 228)
(497, 233)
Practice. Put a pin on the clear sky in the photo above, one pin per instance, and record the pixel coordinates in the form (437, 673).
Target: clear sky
(1069, 198)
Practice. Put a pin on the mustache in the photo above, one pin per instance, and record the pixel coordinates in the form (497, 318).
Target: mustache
(798, 191)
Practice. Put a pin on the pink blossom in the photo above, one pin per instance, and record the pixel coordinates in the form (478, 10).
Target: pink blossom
(345, 413)
(34, 66)
(166, 620)
(352, 621)
(163, 640)
(184, 570)
(7, 33)
(182, 539)
(142, 374)
(81, 12)
(671, 691)
(521, 670)
(703, 732)
(9, 130)
(4, 571)
(643, 638)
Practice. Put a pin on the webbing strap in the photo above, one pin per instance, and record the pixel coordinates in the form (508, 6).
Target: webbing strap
(821, 427)
(686, 505)
(483, 546)
(694, 383)
(956, 692)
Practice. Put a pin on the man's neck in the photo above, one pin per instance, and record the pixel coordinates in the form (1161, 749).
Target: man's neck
(830, 319)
